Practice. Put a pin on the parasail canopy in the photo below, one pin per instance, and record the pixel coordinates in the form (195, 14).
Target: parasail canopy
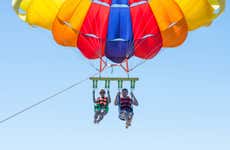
(119, 29)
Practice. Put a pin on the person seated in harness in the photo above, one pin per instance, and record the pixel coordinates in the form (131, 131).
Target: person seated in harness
(101, 105)
(125, 104)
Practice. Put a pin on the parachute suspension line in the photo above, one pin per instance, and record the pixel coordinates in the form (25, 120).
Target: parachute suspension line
(111, 70)
(84, 60)
(45, 99)
(126, 67)
(103, 65)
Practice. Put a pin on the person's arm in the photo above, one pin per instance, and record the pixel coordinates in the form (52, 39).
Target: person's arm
(94, 98)
(117, 99)
(109, 98)
(134, 100)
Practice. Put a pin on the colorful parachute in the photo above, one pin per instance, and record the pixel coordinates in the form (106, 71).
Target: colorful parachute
(119, 29)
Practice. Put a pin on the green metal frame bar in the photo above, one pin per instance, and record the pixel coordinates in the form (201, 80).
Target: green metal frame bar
(120, 84)
(132, 85)
(113, 79)
(119, 81)
(95, 84)
(107, 84)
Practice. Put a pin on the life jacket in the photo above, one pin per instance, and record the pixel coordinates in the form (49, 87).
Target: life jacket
(126, 103)
(102, 101)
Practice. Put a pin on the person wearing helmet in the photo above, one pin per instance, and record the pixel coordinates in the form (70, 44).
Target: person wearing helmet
(125, 104)
(101, 105)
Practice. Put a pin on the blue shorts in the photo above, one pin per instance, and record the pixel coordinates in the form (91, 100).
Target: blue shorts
(126, 114)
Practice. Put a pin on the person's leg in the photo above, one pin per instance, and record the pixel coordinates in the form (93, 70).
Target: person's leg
(100, 117)
(97, 109)
(122, 115)
(103, 112)
(127, 121)
(129, 118)
(96, 116)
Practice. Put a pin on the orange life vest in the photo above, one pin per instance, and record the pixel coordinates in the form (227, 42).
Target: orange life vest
(102, 101)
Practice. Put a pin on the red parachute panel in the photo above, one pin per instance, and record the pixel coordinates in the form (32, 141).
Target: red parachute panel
(147, 36)
(91, 41)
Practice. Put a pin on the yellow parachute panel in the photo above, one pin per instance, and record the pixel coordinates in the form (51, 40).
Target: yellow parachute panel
(69, 20)
(171, 22)
(38, 12)
(200, 13)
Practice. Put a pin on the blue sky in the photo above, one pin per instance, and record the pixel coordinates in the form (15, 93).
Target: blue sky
(184, 94)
